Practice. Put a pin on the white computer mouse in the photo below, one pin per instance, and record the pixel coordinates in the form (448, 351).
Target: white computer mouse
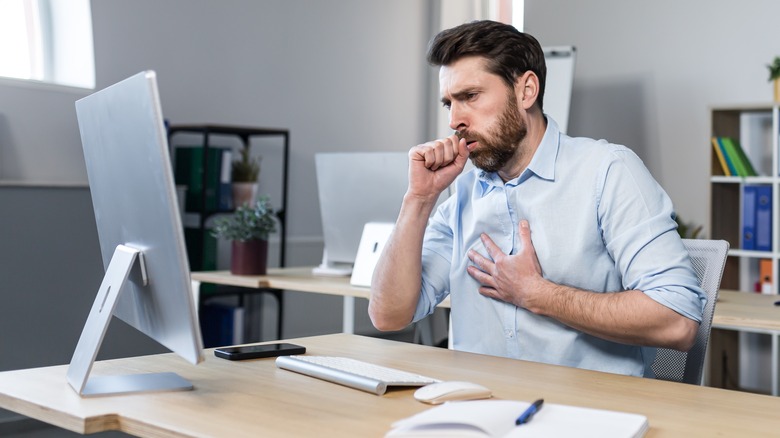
(441, 392)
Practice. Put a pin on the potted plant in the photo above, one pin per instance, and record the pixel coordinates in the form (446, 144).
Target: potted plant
(774, 76)
(244, 173)
(247, 228)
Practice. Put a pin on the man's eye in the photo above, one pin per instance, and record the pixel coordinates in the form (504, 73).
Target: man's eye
(446, 105)
(472, 96)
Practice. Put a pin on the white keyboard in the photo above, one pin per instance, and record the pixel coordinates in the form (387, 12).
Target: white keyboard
(351, 372)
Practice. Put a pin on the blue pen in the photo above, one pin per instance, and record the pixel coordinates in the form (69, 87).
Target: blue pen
(526, 416)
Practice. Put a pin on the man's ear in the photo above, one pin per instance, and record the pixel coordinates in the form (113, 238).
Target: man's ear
(527, 89)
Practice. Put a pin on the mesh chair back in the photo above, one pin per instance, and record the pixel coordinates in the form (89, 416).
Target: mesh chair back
(708, 258)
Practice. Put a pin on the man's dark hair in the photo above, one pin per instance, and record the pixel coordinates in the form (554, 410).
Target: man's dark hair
(509, 53)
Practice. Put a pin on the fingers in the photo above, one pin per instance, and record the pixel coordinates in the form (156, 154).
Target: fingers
(484, 279)
(492, 249)
(480, 261)
(439, 153)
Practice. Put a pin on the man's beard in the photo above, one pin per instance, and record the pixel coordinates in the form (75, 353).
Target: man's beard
(501, 143)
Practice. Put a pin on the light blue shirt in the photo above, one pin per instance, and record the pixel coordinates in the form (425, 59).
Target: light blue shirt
(599, 222)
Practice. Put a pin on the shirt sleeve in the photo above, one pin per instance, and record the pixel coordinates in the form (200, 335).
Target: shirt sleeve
(436, 262)
(637, 224)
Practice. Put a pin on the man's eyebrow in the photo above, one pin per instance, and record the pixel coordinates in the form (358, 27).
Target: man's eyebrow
(464, 94)
(460, 95)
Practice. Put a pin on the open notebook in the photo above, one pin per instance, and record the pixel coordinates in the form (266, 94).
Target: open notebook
(496, 418)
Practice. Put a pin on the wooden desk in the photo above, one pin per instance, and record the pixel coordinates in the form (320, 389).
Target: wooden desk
(749, 312)
(297, 279)
(752, 313)
(254, 398)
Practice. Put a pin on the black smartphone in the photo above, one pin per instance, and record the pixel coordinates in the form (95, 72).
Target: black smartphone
(257, 351)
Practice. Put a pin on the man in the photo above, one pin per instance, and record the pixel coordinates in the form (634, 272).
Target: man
(554, 249)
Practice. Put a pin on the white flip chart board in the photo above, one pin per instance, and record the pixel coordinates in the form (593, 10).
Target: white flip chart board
(560, 80)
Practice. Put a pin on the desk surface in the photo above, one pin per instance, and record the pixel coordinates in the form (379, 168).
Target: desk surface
(747, 311)
(254, 398)
(297, 279)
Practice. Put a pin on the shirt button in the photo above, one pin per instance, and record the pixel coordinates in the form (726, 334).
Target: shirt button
(508, 334)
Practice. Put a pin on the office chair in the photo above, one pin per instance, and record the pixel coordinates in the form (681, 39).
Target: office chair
(708, 258)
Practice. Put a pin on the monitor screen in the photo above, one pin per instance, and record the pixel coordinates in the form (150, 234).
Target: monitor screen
(134, 200)
(356, 188)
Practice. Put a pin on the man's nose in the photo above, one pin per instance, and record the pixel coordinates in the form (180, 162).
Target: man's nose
(458, 120)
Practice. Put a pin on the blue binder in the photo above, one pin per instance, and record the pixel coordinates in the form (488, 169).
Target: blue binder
(749, 196)
(764, 218)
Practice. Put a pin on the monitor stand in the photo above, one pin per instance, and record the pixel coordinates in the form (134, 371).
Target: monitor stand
(332, 269)
(122, 263)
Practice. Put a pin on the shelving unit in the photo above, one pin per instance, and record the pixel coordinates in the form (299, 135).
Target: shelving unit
(756, 128)
(245, 134)
(739, 359)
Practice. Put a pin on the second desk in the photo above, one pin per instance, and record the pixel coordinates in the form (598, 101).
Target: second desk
(296, 279)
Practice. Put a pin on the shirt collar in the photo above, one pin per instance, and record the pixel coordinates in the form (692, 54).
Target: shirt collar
(542, 164)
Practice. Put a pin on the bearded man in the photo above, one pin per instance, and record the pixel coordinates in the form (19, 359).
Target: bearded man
(553, 249)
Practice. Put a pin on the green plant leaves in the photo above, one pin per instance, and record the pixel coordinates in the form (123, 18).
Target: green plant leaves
(248, 222)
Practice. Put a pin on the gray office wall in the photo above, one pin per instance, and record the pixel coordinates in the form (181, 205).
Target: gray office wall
(342, 75)
(50, 271)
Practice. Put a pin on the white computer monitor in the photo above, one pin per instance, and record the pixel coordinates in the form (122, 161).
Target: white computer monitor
(356, 188)
(147, 281)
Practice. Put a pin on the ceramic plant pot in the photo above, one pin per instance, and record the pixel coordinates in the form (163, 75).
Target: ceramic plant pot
(244, 193)
(249, 258)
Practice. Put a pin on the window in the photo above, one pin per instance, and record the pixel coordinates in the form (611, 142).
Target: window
(518, 13)
(47, 41)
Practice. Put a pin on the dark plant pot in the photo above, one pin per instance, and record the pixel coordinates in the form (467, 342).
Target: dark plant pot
(249, 258)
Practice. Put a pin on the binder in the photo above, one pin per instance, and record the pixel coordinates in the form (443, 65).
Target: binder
(766, 276)
(221, 324)
(763, 233)
(749, 195)
(749, 169)
(728, 168)
(225, 195)
(737, 157)
(189, 171)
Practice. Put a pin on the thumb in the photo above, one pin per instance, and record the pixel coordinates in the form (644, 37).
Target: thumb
(527, 246)
(524, 229)
(463, 154)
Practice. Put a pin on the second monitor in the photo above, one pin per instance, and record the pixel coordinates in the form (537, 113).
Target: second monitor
(356, 188)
